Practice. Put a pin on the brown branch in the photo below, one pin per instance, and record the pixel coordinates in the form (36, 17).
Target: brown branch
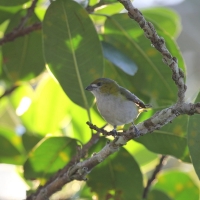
(78, 170)
(153, 177)
(159, 43)
(9, 91)
(91, 9)
(20, 30)
(61, 177)
(13, 35)
(24, 19)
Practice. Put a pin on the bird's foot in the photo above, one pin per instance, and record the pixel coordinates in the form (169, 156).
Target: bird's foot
(136, 132)
(114, 133)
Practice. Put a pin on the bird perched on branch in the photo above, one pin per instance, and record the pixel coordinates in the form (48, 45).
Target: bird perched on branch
(117, 105)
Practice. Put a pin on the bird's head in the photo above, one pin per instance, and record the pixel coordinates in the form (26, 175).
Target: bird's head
(103, 86)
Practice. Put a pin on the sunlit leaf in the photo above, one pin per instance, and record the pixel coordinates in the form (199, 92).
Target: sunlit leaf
(117, 176)
(177, 185)
(11, 151)
(164, 143)
(157, 195)
(164, 18)
(72, 49)
(23, 57)
(50, 155)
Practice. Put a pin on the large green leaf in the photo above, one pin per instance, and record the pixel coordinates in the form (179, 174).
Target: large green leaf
(118, 176)
(119, 59)
(6, 13)
(30, 140)
(72, 49)
(177, 185)
(164, 143)
(194, 139)
(140, 153)
(48, 156)
(164, 18)
(11, 150)
(100, 14)
(157, 195)
(42, 110)
(23, 57)
(128, 37)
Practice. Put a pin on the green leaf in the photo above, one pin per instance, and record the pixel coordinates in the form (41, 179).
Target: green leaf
(6, 13)
(118, 176)
(119, 59)
(177, 185)
(42, 110)
(194, 139)
(100, 14)
(140, 153)
(50, 155)
(72, 49)
(124, 80)
(109, 1)
(177, 127)
(11, 151)
(85, 193)
(164, 143)
(12, 3)
(127, 36)
(23, 57)
(164, 19)
(30, 140)
(157, 195)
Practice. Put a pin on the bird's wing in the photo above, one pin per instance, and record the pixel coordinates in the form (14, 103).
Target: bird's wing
(134, 98)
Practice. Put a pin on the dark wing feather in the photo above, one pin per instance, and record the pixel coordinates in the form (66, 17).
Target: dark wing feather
(133, 98)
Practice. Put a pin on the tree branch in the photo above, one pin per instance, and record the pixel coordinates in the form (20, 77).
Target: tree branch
(91, 9)
(159, 43)
(78, 170)
(9, 91)
(20, 30)
(153, 177)
(61, 177)
(24, 19)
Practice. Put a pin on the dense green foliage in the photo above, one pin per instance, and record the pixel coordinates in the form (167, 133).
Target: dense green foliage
(44, 118)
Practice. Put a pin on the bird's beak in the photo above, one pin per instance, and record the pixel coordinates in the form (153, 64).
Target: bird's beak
(89, 88)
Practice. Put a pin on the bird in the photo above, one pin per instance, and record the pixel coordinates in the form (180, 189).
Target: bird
(117, 105)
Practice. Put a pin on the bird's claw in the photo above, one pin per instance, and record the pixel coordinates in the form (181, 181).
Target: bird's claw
(136, 132)
(114, 133)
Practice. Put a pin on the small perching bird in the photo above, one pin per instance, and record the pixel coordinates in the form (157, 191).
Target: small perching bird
(117, 105)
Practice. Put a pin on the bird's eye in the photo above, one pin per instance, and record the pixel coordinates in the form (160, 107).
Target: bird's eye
(99, 84)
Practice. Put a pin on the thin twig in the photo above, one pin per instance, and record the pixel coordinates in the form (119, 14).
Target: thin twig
(20, 30)
(13, 35)
(24, 19)
(101, 130)
(91, 9)
(9, 91)
(159, 43)
(153, 177)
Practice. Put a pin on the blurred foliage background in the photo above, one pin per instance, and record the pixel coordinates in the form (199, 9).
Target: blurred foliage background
(44, 106)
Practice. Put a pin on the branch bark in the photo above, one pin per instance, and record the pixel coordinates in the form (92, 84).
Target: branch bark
(153, 177)
(20, 30)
